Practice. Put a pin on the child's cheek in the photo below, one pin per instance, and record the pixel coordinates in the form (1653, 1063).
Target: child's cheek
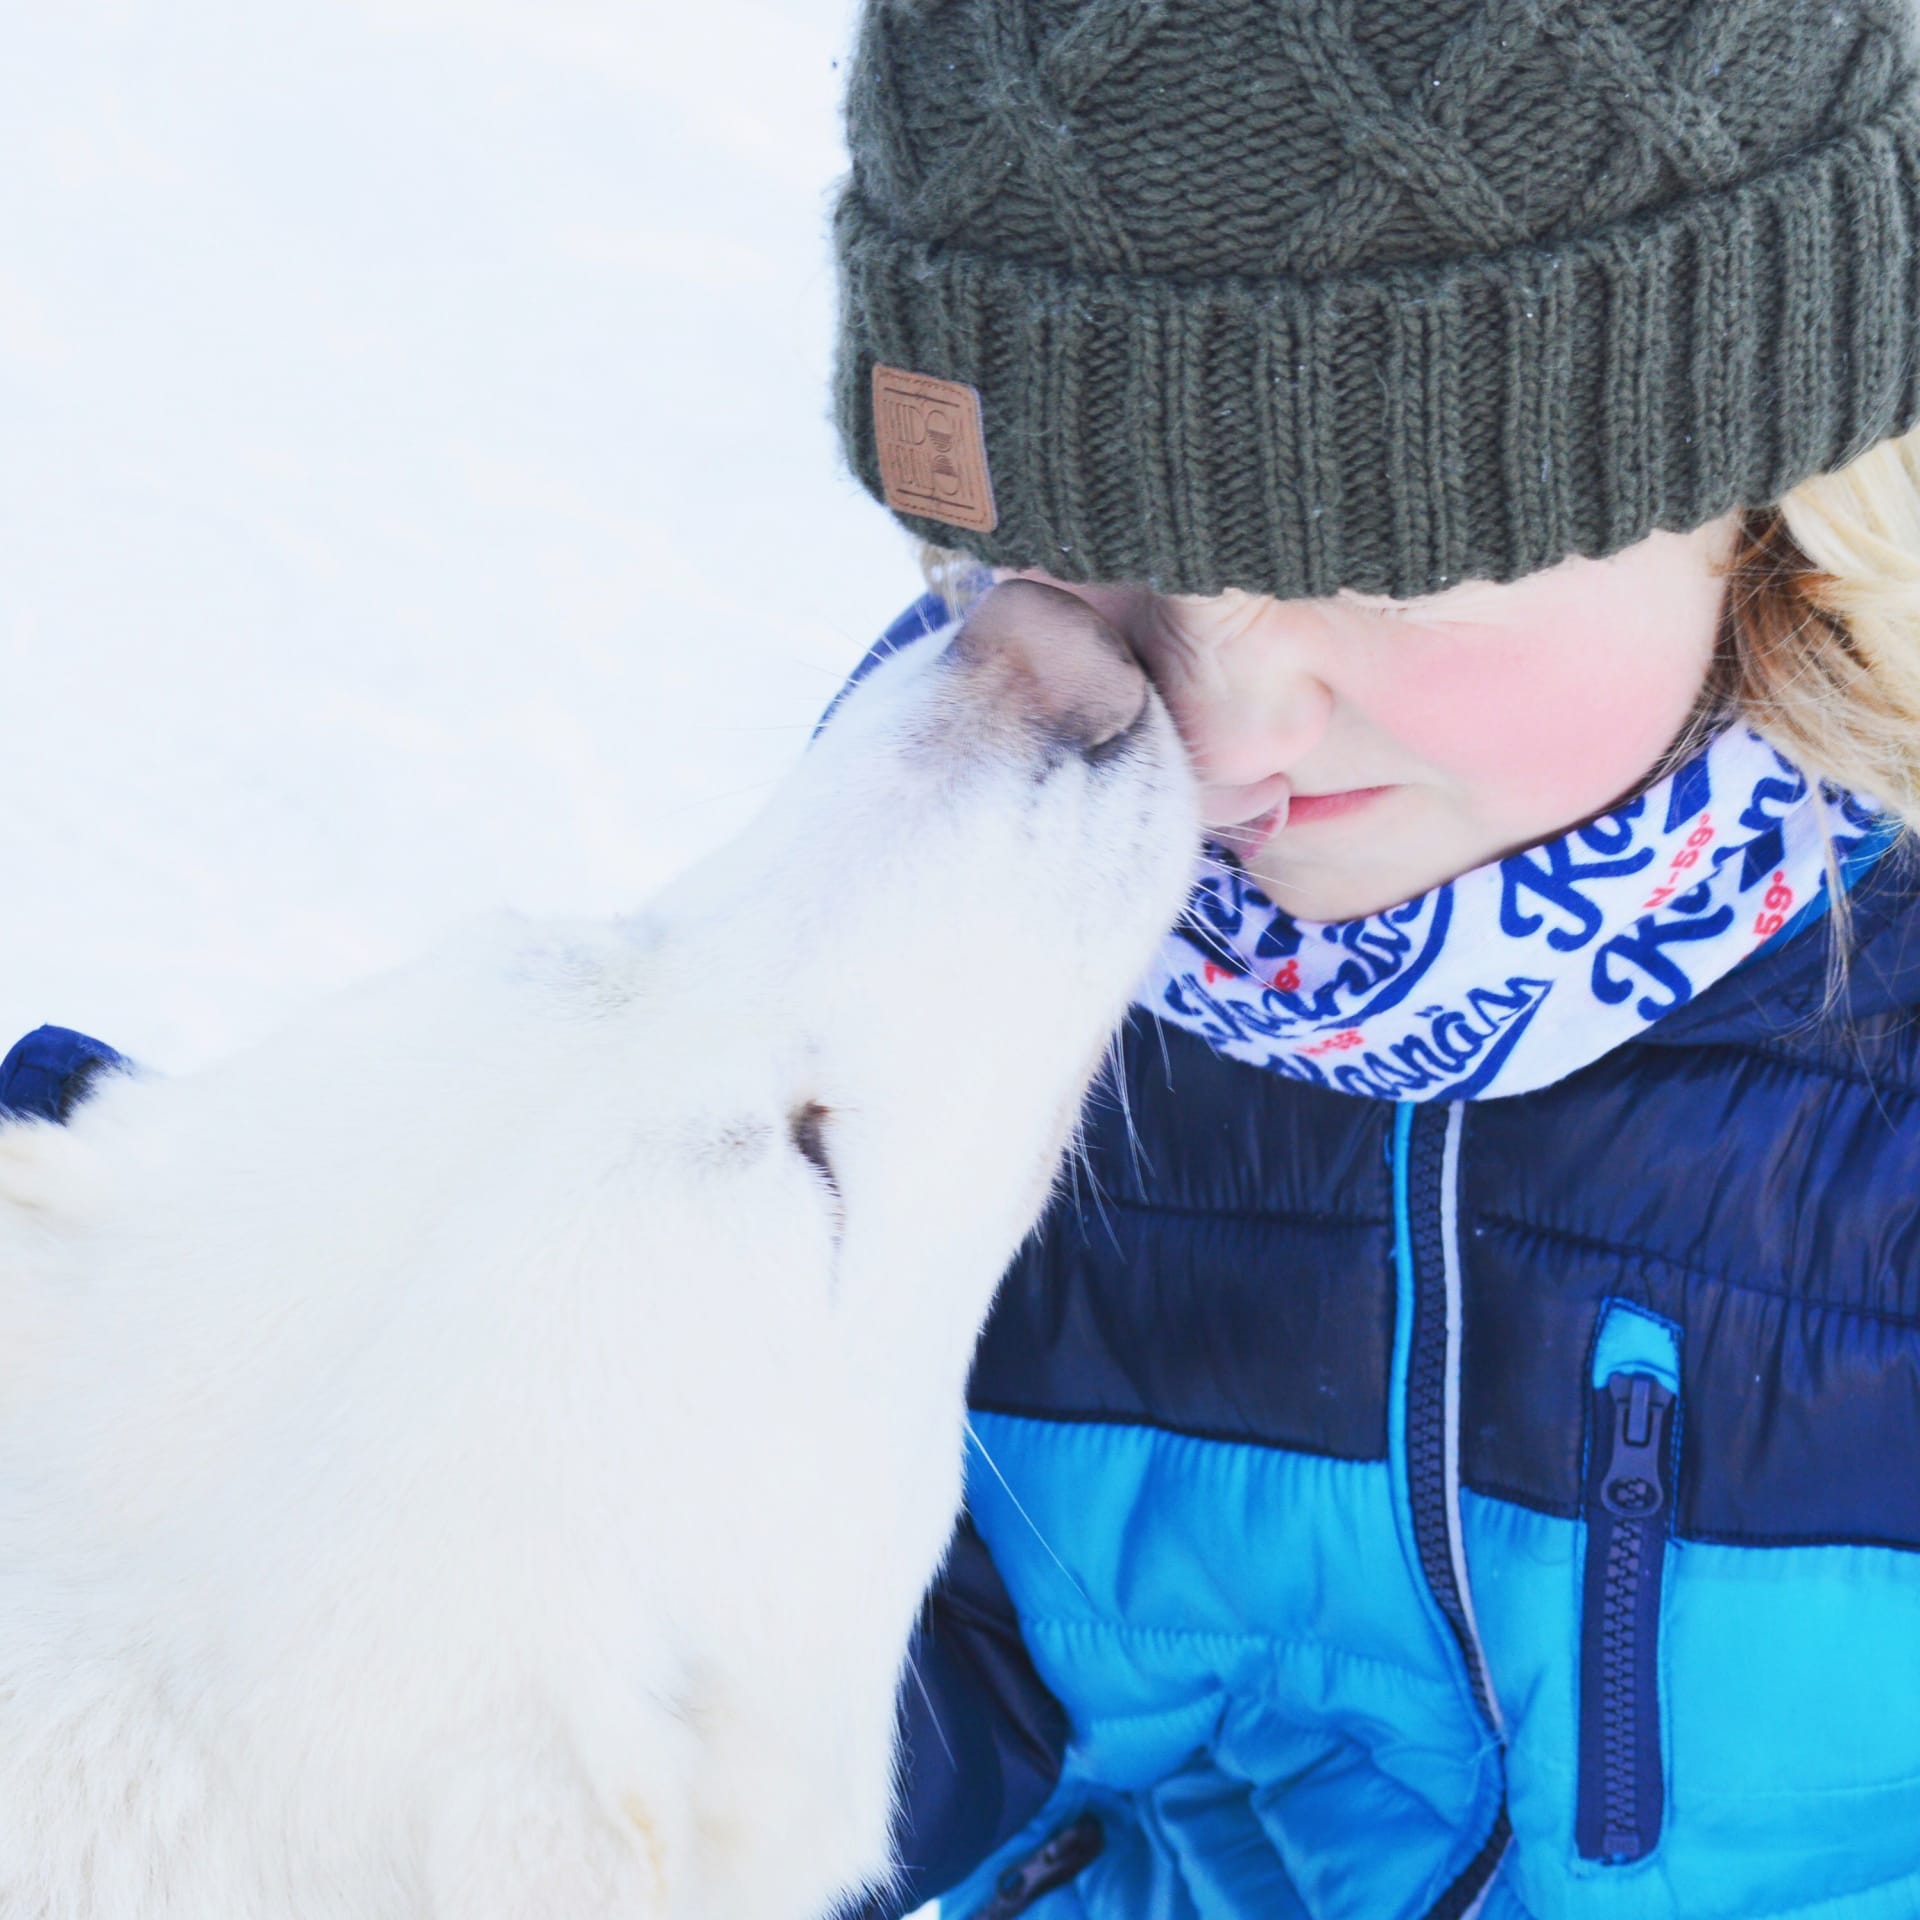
(1528, 729)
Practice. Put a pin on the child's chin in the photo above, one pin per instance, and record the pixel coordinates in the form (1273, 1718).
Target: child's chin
(1334, 879)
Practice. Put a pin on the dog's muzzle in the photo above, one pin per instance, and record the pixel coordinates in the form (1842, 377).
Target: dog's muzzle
(1043, 656)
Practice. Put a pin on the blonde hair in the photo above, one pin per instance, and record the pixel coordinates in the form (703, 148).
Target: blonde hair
(1821, 634)
(1819, 645)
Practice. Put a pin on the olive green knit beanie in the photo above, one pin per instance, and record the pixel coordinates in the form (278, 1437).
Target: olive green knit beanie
(1295, 295)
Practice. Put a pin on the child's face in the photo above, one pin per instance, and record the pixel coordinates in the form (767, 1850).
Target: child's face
(1356, 752)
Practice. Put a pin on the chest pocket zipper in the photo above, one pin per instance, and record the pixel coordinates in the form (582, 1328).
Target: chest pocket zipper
(1629, 1500)
(1048, 1867)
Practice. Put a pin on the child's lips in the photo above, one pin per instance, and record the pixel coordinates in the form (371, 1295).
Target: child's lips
(1306, 808)
(1247, 837)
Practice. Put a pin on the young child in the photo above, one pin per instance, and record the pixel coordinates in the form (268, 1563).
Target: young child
(1455, 1447)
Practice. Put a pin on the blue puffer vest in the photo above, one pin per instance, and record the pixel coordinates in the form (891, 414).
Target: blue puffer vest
(1506, 1508)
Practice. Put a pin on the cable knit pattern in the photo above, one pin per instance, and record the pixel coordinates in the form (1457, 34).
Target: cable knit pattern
(1300, 294)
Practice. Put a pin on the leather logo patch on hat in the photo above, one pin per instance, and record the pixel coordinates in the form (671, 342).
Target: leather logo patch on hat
(933, 454)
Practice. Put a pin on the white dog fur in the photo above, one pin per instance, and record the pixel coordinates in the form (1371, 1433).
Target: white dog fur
(465, 1458)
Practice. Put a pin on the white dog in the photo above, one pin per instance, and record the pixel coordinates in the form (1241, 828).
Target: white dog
(481, 1454)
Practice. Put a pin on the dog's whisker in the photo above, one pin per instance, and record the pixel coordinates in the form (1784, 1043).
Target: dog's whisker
(933, 1712)
(1166, 1059)
(1082, 1160)
(1073, 1579)
(719, 799)
(1117, 1068)
(1228, 869)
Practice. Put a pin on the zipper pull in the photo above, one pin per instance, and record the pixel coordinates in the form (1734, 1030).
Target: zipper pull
(1048, 1866)
(1633, 1487)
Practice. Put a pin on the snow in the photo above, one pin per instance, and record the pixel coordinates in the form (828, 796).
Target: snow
(418, 492)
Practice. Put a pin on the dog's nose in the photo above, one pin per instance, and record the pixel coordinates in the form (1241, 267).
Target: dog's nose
(1044, 654)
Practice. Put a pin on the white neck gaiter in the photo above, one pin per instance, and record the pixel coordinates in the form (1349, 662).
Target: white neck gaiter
(1514, 975)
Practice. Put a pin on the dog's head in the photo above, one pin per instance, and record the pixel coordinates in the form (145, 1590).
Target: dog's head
(894, 988)
(606, 1295)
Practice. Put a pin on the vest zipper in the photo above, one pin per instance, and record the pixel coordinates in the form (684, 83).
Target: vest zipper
(1426, 1172)
(1629, 1503)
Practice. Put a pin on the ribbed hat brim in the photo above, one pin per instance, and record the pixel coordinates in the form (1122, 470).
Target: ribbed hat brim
(1399, 430)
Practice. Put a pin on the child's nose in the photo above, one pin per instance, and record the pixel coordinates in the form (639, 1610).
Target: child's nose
(1240, 735)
